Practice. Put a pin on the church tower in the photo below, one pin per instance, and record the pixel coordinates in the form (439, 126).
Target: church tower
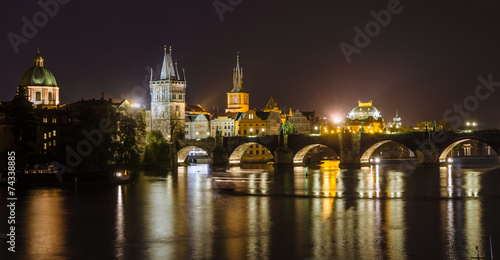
(237, 98)
(168, 99)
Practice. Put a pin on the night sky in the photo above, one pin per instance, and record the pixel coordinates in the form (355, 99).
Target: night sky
(425, 60)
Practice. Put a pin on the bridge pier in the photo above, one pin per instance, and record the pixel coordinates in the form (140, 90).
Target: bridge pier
(350, 156)
(283, 156)
(428, 156)
(219, 156)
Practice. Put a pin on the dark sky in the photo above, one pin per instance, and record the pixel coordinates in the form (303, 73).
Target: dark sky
(425, 60)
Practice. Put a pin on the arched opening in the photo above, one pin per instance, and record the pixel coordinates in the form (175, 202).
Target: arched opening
(469, 148)
(192, 154)
(388, 150)
(314, 153)
(250, 153)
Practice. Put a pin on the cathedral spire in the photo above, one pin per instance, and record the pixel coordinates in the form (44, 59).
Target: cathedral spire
(165, 73)
(238, 76)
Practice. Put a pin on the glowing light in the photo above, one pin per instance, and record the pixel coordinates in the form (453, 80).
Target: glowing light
(377, 160)
(135, 105)
(336, 120)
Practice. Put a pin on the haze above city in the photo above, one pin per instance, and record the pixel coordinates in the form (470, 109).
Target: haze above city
(427, 57)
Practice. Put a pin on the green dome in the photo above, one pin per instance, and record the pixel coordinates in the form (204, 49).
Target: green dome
(38, 75)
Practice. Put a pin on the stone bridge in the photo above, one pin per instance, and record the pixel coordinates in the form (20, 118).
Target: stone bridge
(430, 148)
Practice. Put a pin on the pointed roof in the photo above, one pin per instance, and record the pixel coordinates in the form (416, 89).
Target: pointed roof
(271, 104)
(238, 77)
(168, 70)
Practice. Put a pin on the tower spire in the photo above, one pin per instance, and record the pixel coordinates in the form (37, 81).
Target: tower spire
(165, 73)
(177, 71)
(238, 76)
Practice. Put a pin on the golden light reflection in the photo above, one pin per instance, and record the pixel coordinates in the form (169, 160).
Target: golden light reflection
(120, 223)
(321, 227)
(47, 228)
(259, 225)
(396, 228)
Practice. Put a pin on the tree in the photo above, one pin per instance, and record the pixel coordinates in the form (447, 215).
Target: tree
(288, 128)
(24, 122)
(157, 150)
(127, 148)
(24, 126)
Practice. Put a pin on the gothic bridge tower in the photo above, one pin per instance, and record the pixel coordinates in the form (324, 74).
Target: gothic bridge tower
(168, 99)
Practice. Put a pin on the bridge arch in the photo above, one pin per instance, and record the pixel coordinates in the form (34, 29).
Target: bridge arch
(444, 154)
(367, 154)
(237, 154)
(184, 152)
(298, 158)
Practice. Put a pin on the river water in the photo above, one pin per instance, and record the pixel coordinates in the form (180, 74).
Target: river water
(371, 213)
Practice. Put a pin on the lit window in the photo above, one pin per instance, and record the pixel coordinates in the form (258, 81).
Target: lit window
(250, 116)
(54, 119)
(54, 142)
(54, 133)
(50, 134)
(45, 119)
(50, 143)
(45, 146)
(44, 136)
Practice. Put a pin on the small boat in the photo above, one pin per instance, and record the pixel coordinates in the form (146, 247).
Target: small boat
(121, 176)
(223, 184)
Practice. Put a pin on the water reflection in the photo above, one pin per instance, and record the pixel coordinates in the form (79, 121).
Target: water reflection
(46, 227)
(370, 213)
(120, 223)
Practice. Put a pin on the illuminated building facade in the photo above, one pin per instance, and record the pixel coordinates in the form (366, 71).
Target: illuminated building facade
(225, 123)
(364, 118)
(40, 85)
(258, 123)
(396, 125)
(304, 122)
(168, 101)
(197, 126)
(237, 98)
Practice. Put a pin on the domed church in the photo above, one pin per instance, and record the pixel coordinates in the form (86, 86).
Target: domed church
(40, 84)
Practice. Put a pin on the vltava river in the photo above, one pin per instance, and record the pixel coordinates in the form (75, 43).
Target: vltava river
(372, 213)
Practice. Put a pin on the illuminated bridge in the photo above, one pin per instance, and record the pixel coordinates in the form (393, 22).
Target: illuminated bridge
(430, 148)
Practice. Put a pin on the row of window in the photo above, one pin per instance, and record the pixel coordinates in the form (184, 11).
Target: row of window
(53, 143)
(54, 119)
(225, 127)
(49, 134)
(38, 96)
(256, 152)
